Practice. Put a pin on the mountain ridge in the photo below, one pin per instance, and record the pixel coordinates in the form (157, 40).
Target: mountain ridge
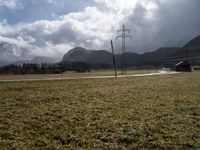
(162, 55)
(80, 54)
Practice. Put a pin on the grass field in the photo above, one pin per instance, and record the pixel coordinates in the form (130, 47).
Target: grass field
(157, 112)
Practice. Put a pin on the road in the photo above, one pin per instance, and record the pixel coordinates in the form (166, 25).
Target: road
(93, 77)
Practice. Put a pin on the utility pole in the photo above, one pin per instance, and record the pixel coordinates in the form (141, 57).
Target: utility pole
(147, 66)
(114, 59)
(124, 33)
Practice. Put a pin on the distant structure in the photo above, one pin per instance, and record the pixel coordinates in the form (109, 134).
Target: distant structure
(183, 66)
(124, 33)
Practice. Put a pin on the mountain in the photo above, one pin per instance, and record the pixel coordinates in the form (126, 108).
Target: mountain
(77, 54)
(80, 54)
(158, 56)
(161, 56)
(190, 50)
(101, 56)
(193, 44)
(104, 57)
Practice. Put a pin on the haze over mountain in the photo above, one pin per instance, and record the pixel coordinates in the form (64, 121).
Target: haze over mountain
(11, 54)
(79, 54)
(37, 60)
(47, 28)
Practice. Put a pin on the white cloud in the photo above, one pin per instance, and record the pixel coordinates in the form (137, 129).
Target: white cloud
(94, 26)
(12, 4)
(89, 28)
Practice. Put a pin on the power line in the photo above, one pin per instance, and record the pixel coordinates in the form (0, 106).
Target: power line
(124, 35)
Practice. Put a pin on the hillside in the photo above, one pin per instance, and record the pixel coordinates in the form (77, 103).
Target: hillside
(76, 54)
(193, 50)
(80, 54)
(193, 44)
(169, 55)
(163, 55)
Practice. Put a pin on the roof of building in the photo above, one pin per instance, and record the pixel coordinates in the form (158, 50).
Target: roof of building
(181, 63)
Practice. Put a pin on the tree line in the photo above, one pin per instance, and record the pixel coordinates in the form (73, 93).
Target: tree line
(55, 68)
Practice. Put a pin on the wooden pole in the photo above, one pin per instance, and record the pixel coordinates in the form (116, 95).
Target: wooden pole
(147, 67)
(114, 59)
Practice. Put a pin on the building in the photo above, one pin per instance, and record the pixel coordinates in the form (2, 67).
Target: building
(183, 66)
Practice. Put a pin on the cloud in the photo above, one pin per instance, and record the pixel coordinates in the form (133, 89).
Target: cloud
(154, 24)
(164, 23)
(12, 4)
(54, 38)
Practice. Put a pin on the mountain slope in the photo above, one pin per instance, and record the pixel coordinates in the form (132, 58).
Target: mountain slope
(77, 54)
(165, 55)
(105, 57)
(80, 54)
(100, 56)
(170, 55)
(193, 44)
(190, 49)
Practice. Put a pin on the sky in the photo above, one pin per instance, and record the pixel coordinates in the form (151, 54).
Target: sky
(50, 28)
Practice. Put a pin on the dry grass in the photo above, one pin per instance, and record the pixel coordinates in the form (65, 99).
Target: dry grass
(160, 112)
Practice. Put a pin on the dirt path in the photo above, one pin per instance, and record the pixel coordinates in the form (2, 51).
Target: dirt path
(93, 77)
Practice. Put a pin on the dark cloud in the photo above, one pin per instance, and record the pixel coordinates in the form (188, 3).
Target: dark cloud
(173, 23)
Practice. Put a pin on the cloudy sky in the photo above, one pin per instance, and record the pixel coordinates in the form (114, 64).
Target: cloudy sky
(30, 28)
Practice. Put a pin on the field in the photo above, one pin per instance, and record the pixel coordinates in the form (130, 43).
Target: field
(157, 112)
(70, 74)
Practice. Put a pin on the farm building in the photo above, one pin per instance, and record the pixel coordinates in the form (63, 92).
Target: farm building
(183, 66)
